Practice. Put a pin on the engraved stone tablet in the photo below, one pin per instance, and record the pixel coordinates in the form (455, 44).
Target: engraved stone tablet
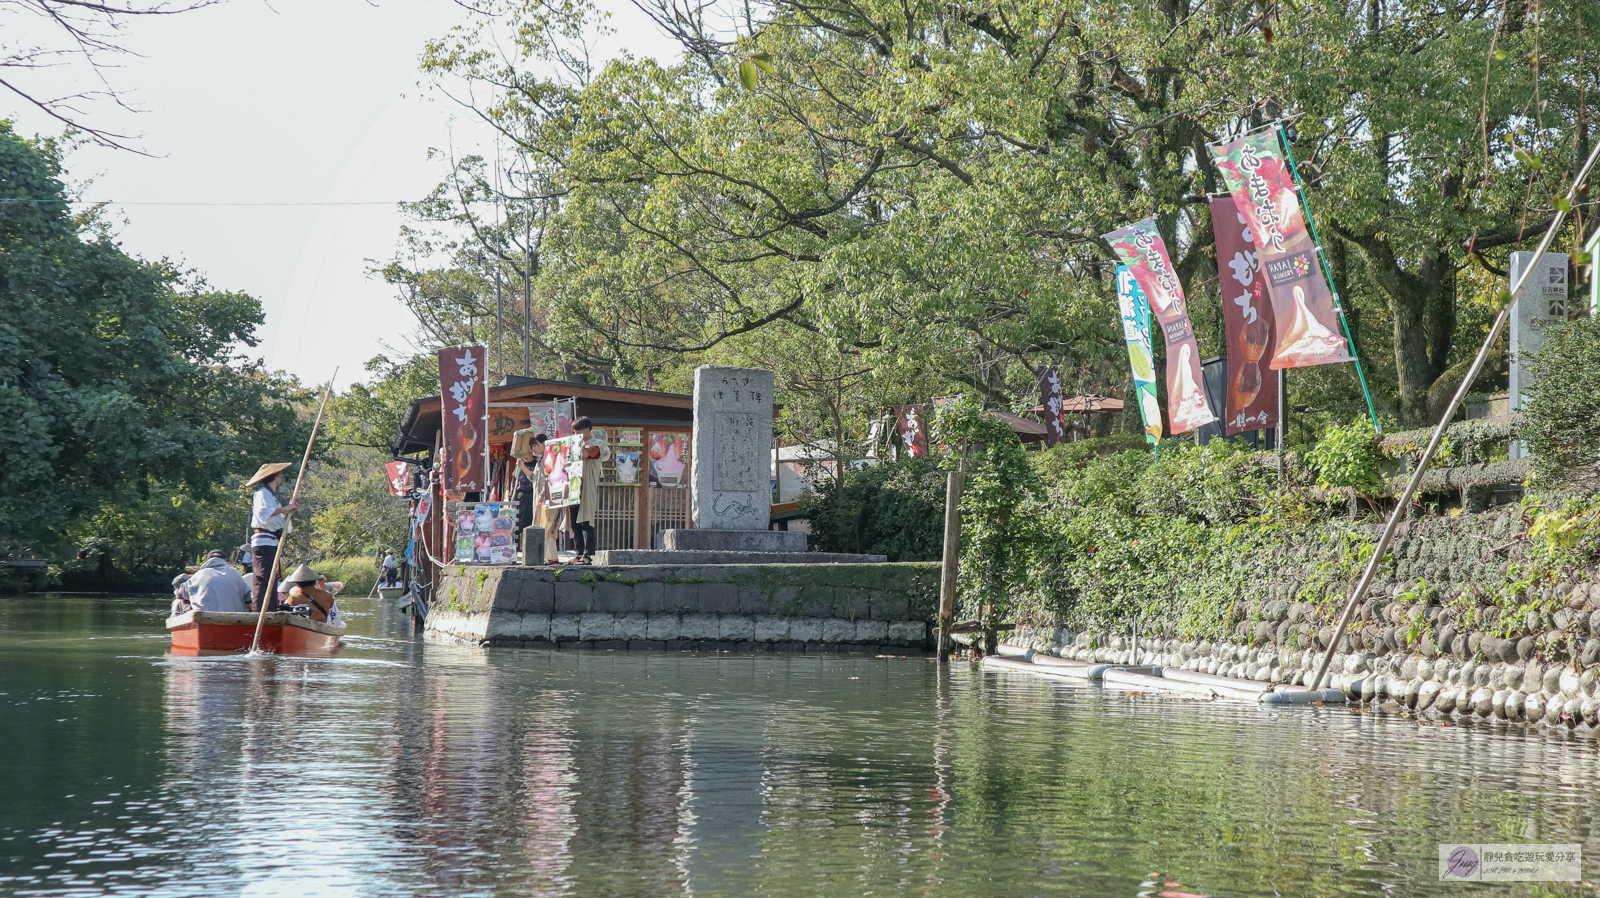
(731, 465)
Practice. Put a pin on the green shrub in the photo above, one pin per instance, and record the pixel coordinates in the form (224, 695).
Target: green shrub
(1562, 405)
(894, 509)
(1351, 457)
(357, 572)
(1062, 458)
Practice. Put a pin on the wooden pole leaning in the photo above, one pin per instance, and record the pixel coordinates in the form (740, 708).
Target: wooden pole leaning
(1438, 432)
(950, 569)
(271, 591)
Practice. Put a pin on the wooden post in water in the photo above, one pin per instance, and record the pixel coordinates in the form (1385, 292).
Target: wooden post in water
(951, 568)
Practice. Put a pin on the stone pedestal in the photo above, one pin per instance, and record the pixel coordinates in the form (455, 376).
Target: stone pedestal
(733, 541)
(533, 545)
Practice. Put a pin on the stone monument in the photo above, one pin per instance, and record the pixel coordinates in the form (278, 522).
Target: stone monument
(1541, 303)
(730, 483)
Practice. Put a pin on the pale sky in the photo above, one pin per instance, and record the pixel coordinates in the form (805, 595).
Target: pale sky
(299, 101)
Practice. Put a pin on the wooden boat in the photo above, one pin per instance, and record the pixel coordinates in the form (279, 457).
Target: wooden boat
(391, 592)
(205, 632)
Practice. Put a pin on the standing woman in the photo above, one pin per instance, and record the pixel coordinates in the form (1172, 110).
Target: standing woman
(532, 507)
(268, 523)
(588, 494)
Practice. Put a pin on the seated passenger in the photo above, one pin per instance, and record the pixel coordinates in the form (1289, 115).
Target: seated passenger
(216, 586)
(180, 604)
(309, 589)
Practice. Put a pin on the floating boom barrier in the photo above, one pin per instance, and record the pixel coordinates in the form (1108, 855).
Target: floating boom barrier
(1139, 678)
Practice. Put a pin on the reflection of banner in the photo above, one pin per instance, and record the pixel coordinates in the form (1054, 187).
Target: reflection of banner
(465, 400)
(1140, 247)
(399, 477)
(563, 471)
(913, 431)
(1263, 190)
(553, 419)
(1136, 331)
(1055, 425)
(667, 462)
(1252, 396)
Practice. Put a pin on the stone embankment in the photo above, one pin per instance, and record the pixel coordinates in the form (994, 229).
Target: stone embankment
(808, 608)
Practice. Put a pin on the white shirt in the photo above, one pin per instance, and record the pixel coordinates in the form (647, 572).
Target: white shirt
(389, 562)
(216, 586)
(262, 518)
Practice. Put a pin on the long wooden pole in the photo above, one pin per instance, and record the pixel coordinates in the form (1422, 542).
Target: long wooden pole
(1444, 421)
(271, 591)
(949, 572)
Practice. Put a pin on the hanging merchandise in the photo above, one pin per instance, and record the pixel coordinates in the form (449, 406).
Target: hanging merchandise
(1055, 421)
(913, 432)
(1307, 324)
(1251, 401)
(553, 419)
(399, 475)
(466, 404)
(1136, 331)
(1140, 247)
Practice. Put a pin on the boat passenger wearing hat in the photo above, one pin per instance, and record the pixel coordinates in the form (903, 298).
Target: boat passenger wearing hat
(307, 589)
(268, 522)
(180, 602)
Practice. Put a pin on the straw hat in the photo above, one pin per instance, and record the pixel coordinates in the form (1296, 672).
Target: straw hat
(304, 574)
(267, 470)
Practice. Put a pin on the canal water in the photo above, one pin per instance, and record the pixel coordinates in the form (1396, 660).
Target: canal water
(401, 768)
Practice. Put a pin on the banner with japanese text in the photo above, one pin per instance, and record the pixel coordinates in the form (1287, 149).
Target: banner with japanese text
(1306, 322)
(1135, 311)
(1252, 396)
(399, 476)
(1052, 404)
(1140, 248)
(464, 397)
(913, 430)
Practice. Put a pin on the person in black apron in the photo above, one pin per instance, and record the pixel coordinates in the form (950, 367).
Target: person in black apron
(269, 522)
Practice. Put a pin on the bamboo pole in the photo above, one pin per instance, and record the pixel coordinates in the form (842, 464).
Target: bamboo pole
(1404, 501)
(271, 591)
(950, 570)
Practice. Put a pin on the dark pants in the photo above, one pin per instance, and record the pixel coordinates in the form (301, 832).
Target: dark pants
(389, 575)
(583, 534)
(263, 571)
(524, 509)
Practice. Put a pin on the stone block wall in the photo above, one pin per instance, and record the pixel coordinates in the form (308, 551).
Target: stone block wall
(859, 608)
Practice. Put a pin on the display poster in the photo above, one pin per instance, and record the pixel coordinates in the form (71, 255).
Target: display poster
(1050, 400)
(465, 400)
(1251, 399)
(627, 467)
(1135, 310)
(563, 471)
(399, 476)
(486, 532)
(913, 429)
(669, 459)
(629, 436)
(1140, 247)
(1304, 315)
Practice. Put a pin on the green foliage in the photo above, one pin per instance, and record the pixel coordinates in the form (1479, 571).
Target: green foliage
(1349, 456)
(1063, 458)
(1562, 405)
(996, 530)
(358, 573)
(128, 402)
(894, 509)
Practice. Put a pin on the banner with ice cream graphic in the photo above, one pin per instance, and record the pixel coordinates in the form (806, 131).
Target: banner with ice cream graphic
(1251, 401)
(1139, 247)
(1136, 331)
(1263, 190)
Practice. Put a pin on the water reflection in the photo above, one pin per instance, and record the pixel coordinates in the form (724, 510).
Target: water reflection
(399, 768)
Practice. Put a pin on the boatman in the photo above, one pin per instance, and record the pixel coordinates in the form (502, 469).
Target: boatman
(268, 522)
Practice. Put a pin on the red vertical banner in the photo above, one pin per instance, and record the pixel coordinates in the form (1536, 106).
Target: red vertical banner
(464, 396)
(913, 432)
(1051, 401)
(399, 475)
(1139, 246)
(1252, 395)
(1307, 325)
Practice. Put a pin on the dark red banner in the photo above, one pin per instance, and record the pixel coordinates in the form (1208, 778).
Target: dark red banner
(1050, 400)
(399, 474)
(913, 431)
(464, 395)
(1252, 397)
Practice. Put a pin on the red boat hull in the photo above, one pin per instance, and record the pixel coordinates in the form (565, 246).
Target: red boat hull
(202, 632)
